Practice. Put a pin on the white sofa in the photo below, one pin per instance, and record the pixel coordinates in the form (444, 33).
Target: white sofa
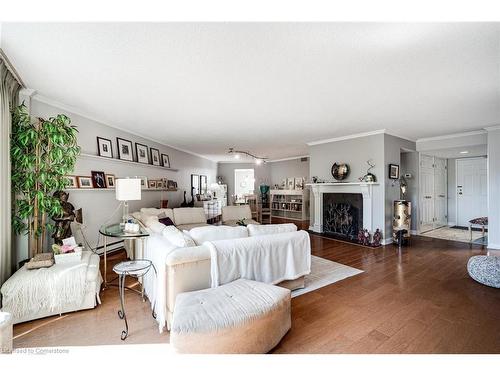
(183, 261)
(184, 218)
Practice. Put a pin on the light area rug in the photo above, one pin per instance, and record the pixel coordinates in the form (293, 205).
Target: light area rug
(456, 234)
(324, 272)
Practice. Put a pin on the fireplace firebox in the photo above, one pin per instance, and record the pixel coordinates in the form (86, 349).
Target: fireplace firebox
(342, 215)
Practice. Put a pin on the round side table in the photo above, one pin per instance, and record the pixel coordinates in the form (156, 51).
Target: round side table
(136, 268)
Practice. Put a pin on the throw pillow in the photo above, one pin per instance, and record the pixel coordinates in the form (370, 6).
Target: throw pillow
(177, 237)
(166, 220)
(219, 232)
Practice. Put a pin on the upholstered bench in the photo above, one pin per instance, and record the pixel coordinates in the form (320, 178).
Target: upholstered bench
(485, 270)
(243, 316)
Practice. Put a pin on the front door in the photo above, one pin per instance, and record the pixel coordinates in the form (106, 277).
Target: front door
(472, 198)
(440, 193)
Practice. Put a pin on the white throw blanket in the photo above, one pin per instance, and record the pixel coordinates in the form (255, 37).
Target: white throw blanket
(29, 291)
(155, 285)
(270, 259)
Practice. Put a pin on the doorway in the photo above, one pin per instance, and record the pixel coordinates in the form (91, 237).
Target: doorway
(472, 190)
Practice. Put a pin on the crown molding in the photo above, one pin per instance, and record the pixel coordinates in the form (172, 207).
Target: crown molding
(491, 128)
(78, 112)
(346, 137)
(286, 159)
(451, 136)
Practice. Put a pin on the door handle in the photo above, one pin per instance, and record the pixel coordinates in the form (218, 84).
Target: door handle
(441, 196)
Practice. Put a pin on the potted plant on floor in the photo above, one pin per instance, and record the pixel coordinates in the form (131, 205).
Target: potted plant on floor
(42, 154)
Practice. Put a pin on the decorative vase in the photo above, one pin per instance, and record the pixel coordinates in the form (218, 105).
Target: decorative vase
(340, 171)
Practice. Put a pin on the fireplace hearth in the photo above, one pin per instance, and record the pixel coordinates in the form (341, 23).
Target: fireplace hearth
(342, 215)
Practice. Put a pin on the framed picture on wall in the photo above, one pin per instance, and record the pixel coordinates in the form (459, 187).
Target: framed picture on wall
(110, 180)
(393, 171)
(84, 182)
(290, 183)
(104, 147)
(142, 153)
(195, 184)
(165, 160)
(299, 183)
(72, 182)
(152, 184)
(203, 184)
(124, 149)
(144, 182)
(98, 179)
(155, 156)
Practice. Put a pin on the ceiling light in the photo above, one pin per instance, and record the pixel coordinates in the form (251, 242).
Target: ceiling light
(464, 152)
(237, 155)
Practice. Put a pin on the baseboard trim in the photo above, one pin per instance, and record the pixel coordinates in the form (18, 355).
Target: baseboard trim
(387, 241)
(413, 232)
(451, 223)
(494, 246)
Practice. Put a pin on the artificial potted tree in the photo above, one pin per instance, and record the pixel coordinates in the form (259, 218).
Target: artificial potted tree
(43, 152)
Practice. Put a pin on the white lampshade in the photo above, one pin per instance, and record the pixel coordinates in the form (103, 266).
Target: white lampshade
(128, 189)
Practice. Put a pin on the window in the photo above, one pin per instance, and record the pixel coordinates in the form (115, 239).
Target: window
(244, 182)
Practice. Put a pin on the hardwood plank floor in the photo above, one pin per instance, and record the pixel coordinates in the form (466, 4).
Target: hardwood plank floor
(417, 300)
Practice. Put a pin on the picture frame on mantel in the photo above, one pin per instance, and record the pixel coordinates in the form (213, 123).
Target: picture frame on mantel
(142, 153)
(104, 147)
(124, 149)
(155, 156)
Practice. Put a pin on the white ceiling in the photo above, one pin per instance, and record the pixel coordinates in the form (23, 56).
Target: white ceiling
(265, 87)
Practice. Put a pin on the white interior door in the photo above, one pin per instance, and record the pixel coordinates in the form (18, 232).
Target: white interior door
(472, 199)
(426, 193)
(440, 192)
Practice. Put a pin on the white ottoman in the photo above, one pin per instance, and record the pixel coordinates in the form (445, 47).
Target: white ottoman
(6, 332)
(243, 316)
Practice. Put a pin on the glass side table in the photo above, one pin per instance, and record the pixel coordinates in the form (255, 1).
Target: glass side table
(117, 231)
(136, 268)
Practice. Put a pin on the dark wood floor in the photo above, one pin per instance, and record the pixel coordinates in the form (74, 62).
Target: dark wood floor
(418, 300)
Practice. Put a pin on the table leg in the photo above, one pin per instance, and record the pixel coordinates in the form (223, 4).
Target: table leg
(470, 232)
(105, 263)
(121, 313)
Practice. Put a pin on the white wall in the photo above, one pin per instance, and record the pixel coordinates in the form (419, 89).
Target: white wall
(494, 188)
(281, 170)
(99, 205)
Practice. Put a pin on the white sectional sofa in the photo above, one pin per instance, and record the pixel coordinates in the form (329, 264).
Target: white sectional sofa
(183, 259)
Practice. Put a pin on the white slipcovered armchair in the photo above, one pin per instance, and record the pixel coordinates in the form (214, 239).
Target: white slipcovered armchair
(232, 214)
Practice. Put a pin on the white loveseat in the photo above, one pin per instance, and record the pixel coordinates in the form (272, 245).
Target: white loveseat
(183, 260)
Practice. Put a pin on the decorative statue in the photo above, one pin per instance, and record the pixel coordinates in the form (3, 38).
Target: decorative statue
(364, 237)
(369, 177)
(403, 186)
(62, 228)
(184, 203)
(377, 238)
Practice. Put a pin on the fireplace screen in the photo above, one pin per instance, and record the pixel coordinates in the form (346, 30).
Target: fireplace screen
(343, 215)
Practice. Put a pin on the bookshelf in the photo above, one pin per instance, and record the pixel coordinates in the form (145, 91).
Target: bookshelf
(290, 204)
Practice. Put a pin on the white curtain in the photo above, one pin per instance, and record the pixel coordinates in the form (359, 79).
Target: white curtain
(9, 89)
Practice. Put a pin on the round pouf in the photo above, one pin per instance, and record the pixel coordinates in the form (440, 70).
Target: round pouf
(243, 316)
(5, 332)
(485, 270)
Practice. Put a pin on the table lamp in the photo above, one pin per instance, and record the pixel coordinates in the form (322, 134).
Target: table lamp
(127, 189)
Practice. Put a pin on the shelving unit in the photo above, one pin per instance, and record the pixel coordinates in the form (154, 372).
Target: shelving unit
(290, 204)
(114, 160)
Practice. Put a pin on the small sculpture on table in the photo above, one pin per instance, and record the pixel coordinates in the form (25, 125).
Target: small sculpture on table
(63, 221)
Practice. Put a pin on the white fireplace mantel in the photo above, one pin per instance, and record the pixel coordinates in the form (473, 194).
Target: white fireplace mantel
(364, 188)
